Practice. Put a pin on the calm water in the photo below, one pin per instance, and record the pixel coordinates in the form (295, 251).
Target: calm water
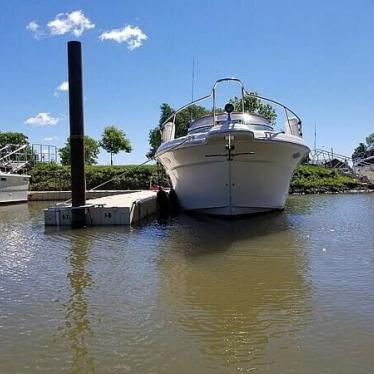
(289, 292)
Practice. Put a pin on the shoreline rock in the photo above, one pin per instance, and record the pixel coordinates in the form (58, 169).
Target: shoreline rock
(330, 190)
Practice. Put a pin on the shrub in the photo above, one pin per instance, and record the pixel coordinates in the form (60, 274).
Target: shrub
(53, 177)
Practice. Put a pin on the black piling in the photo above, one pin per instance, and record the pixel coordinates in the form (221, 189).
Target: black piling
(163, 204)
(78, 177)
(168, 204)
(174, 203)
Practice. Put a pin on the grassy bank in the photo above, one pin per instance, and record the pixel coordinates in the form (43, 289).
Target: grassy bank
(52, 177)
(319, 179)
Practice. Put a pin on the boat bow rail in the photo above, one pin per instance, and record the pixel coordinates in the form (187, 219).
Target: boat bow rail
(293, 123)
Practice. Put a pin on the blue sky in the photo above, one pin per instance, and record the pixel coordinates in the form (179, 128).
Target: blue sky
(317, 57)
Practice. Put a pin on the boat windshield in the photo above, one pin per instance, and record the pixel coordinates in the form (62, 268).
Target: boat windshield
(256, 122)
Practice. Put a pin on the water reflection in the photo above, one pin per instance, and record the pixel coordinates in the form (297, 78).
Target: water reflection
(77, 321)
(15, 240)
(202, 234)
(195, 294)
(247, 289)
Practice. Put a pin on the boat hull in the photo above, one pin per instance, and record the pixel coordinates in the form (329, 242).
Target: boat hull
(254, 177)
(13, 188)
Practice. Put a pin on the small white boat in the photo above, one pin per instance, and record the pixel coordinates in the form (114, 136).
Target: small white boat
(232, 163)
(13, 186)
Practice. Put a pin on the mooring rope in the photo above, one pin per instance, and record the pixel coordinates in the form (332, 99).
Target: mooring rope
(109, 180)
(143, 163)
(120, 175)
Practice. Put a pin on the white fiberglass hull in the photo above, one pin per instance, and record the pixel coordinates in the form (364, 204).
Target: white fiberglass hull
(254, 178)
(13, 188)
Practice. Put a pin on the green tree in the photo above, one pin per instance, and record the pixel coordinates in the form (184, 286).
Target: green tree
(91, 151)
(360, 151)
(183, 119)
(182, 122)
(154, 139)
(114, 140)
(370, 139)
(13, 138)
(254, 105)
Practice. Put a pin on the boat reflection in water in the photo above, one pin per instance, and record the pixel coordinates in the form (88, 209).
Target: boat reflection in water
(230, 291)
(209, 294)
(284, 292)
(220, 292)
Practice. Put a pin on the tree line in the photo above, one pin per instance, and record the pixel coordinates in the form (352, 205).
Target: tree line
(113, 140)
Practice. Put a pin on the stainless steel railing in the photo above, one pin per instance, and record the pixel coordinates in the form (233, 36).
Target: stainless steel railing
(244, 93)
(15, 157)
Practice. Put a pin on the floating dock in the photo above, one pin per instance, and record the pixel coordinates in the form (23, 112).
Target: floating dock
(66, 195)
(119, 209)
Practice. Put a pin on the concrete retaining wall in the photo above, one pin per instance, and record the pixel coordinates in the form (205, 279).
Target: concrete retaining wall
(366, 171)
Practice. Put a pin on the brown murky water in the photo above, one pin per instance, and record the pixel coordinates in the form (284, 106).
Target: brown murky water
(289, 292)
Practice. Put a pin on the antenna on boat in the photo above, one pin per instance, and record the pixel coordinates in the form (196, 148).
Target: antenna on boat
(192, 84)
(193, 78)
(315, 136)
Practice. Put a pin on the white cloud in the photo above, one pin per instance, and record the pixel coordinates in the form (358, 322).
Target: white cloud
(75, 22)
(64, 86)
(132, 35)
(50, 138)
(34, 28)
(42, 119)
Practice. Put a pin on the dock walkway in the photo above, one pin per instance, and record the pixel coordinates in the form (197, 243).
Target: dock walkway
(121, 209)
(66, 195)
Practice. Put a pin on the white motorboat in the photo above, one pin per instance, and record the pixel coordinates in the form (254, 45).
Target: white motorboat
(13, 186)
(232, 163)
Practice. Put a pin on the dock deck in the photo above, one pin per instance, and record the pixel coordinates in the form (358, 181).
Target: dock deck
(120, 209)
